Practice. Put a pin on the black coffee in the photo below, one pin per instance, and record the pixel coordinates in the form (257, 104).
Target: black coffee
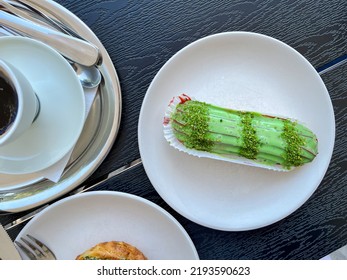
(8, 104)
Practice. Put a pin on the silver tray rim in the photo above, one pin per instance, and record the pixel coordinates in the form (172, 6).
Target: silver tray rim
(23, 198)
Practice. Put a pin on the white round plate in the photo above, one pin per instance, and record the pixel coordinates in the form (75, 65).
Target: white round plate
(62, 110)
(75, 224)
(245, 71)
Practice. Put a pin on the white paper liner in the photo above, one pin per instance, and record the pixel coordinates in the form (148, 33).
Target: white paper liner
(174, 142)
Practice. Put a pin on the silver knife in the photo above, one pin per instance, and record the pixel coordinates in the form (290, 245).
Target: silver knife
(7, 249)
(86, 187)
(71, 48)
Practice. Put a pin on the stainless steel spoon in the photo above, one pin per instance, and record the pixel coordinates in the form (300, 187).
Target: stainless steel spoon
(90, 77)
(72, 48)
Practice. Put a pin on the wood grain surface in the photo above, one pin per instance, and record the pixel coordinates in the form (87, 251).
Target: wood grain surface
(140, 36)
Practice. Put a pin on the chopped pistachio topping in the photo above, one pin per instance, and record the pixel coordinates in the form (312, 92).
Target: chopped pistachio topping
(250, 145)
(292, 152)
(195, 117)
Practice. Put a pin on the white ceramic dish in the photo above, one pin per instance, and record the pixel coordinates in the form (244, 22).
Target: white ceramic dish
(74, 224)
(62, 110)
(28, 104)
(239, 70)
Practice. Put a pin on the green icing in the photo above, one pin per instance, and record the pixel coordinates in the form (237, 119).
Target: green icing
(294, 142)
(266, 139)
(250, 145)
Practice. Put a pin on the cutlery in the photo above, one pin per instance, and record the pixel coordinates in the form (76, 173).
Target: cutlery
(72, 48)
(89, 76)
(84, 188)
(21, 13)
(53, 13)
(32, 12)
(7, 249)
(34, 249)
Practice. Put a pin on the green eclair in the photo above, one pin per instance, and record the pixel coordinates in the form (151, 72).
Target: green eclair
(268, 141)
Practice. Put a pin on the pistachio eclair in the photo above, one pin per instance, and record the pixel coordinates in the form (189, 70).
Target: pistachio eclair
(244, 137)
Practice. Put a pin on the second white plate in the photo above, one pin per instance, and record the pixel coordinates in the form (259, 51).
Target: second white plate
(244, 71)
(74, 224)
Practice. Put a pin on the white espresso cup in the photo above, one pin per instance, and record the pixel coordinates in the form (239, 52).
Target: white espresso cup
(19, 105)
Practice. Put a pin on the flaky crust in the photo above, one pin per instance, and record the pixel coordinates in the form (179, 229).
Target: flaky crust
(112, 250)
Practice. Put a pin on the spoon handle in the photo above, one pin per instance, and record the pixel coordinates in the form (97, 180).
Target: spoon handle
(51, 14)
(72, 48)
(37, 13)
(7, 6)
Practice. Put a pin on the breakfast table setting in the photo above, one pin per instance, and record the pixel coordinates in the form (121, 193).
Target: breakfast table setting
(99, 155)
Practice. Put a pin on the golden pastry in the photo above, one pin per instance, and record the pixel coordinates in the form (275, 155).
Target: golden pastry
(112, 250)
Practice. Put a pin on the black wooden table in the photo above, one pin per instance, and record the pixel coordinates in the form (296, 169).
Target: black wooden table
(140, 36)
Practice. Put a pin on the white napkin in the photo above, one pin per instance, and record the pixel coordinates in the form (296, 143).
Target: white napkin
(54, 172)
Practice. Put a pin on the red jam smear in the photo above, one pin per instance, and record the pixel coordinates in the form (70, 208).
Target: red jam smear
(184, 98)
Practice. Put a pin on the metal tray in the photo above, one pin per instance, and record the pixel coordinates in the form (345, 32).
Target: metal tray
(24, 192)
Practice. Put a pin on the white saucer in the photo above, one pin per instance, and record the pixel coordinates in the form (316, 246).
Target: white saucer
(62, 112)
